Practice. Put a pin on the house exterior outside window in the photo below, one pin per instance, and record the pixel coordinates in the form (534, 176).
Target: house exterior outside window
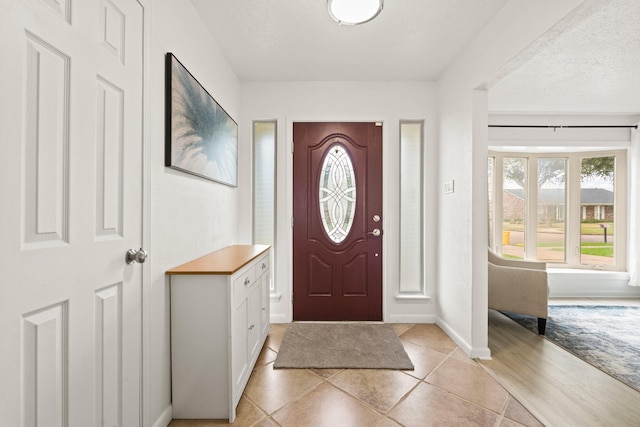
(567, 209)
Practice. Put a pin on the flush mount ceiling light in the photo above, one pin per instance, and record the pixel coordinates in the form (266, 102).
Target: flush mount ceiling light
(354, 12)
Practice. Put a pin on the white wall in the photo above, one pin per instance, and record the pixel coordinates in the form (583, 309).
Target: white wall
(190, 216)
(388, 102)
(463, 112)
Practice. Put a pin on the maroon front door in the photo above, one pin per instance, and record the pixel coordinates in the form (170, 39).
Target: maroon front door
(337, 221)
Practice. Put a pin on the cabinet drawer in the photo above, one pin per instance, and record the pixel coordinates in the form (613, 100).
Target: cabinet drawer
(262, 265)
(241, 285)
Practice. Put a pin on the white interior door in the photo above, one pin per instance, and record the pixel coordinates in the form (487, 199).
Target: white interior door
(71, 200)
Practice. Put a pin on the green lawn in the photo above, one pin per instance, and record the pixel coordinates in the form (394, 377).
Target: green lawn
(605, 251)
(595, 229)
(510, 226)
(602, 251)
(586, 248)
(585, 228)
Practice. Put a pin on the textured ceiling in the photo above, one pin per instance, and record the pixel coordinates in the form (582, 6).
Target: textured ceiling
(297, 40)
(590, 62)
(591, 66)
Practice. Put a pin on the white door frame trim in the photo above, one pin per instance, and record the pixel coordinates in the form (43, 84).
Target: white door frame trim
(145, 362)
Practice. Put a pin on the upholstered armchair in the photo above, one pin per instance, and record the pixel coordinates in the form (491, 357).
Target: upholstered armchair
(519, 287)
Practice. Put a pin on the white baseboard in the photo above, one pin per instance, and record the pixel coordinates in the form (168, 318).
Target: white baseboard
(411, 318)
(165, 418)
(472, 352)
(278, 318)
(481, 353)
(394, 318)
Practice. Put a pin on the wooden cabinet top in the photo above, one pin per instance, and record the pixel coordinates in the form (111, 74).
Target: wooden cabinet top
(224, 261)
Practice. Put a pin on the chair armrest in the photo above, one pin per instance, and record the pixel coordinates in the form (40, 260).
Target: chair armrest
(497, 260)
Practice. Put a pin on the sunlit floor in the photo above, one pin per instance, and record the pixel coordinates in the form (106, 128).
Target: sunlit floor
(557, 387)
(446, 388)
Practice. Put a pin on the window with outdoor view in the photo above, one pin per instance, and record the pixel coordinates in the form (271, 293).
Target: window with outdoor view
(567, 209)
(490, 199)
(597, 207)
(552, 195)
(514, 200)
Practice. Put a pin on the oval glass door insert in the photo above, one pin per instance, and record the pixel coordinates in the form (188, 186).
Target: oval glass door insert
(337, 193)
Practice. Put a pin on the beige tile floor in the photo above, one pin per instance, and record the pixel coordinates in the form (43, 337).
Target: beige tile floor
(446, 388)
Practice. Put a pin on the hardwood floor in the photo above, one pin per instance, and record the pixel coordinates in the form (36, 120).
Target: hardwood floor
(555, 386)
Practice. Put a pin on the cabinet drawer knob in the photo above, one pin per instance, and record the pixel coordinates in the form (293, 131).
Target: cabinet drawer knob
(251, 327)
(264, 265)
(247, 281)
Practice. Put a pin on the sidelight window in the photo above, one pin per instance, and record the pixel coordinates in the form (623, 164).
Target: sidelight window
(411, 211)
(264, 184)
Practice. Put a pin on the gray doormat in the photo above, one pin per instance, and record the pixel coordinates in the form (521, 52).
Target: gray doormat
(342, 345)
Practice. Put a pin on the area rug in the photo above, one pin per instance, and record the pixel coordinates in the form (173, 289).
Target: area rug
(342, 345)
(607, 337)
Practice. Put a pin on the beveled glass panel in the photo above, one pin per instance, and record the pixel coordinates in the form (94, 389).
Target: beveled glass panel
(337, 193)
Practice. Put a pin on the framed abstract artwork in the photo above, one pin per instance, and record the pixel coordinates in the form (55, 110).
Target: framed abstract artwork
(200, 137)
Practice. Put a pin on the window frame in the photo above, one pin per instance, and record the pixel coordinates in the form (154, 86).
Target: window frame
(573, 211)
(411, 208)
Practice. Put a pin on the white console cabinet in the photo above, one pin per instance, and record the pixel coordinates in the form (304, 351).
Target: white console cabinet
(219, 323)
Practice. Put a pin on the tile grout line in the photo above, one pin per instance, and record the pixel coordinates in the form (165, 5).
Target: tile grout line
(500, 415)
(450, 355)
(504, 404)
(420, 380)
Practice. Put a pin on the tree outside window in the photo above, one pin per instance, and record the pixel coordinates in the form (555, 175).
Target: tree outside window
(559, 223)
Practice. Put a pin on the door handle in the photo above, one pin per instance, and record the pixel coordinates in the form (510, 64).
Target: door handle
(375, 232)
(139, 256)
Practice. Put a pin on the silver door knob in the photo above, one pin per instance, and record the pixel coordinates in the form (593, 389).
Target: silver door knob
(375, 232)
(139, 256)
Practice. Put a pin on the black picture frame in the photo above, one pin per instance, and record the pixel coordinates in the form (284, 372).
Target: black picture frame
(200, 137)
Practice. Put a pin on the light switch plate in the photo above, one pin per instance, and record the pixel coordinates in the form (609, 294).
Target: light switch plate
(449, 187)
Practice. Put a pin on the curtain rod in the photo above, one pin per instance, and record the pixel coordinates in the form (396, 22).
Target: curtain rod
(554, 127)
